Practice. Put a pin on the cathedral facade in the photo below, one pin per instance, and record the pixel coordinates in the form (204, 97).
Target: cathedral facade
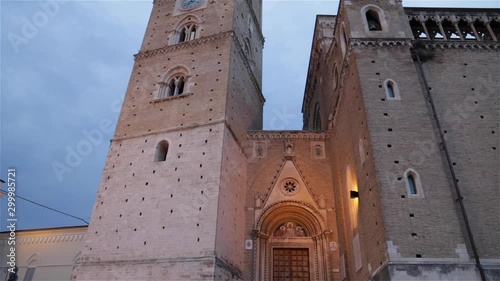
(394, 176)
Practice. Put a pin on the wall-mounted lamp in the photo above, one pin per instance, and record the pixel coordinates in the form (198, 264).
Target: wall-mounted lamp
(354, 194)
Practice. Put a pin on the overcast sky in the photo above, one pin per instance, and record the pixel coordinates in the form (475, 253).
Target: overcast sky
(68, 70)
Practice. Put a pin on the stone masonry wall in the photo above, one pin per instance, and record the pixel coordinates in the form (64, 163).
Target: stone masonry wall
(465, 86)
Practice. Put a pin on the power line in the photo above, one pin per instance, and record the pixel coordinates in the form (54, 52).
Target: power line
(46, 207)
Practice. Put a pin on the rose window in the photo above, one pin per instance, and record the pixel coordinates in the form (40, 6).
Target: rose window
(290, 186)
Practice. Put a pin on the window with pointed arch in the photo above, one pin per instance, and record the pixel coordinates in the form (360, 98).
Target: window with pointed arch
(413, 184)
(33, 262)
(161, 151)
(174, 86)
(391, 90)
(187, 33)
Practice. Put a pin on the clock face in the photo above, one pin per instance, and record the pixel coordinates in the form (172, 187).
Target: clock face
(189, 4)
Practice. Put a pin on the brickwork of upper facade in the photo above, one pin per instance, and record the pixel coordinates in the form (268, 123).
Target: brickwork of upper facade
(368, 91)
(464, 86)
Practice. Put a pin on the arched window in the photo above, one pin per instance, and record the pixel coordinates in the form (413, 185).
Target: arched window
(413, 184)
(174, 87)
(175, 82)
(373, 20)
(33, 262)
(187, 32)
(161, 151)
(391, 90)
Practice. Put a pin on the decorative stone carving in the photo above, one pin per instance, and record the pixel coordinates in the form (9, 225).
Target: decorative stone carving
(333, 246)
(318, 150)
(290, 186)
(252, 135)
(259, 149)
(288, 149)
(170, 48)
(289, 230)
(322, 201)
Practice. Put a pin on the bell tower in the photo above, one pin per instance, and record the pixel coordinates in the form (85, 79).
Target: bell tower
(170, 202)
(375, 19)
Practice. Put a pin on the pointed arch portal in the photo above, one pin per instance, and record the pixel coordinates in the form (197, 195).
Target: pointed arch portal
(290, 243)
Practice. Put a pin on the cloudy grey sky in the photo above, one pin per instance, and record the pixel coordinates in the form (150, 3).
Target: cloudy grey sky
(64, 72)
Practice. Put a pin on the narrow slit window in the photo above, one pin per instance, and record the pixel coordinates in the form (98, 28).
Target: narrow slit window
(411, 184)
(161, 151)
(391, 90)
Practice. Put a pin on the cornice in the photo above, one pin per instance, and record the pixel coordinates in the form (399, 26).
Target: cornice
(183, 45)
(464, 45)
(438, 44)
(259, 135)
(458, 11)
(48, 239)
(168, 130)
(358, 42)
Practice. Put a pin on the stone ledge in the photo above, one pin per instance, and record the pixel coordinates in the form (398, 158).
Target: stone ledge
(256, 135)
(183, 45)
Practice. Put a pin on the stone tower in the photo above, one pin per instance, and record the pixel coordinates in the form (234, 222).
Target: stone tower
(170, 203)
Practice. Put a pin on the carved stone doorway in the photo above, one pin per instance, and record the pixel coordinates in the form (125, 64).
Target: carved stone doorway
(290, 244)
